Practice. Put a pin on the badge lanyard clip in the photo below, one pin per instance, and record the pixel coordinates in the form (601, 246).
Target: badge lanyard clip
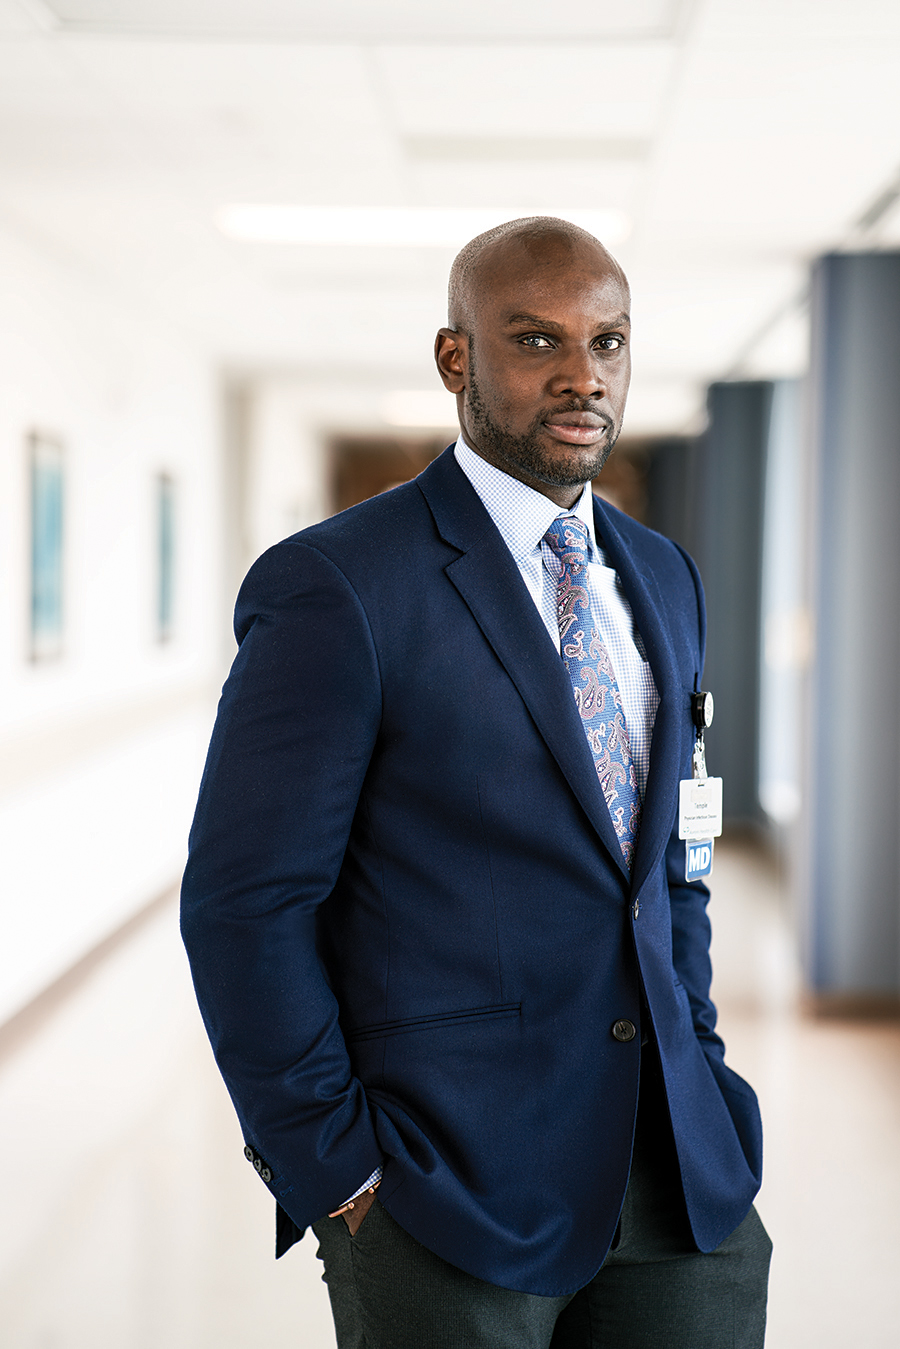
(702, 708)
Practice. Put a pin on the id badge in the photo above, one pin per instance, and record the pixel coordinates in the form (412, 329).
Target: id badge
(699, 822)
(699, 799)
(699, 808)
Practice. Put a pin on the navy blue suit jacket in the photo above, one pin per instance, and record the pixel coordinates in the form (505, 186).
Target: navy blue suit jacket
(409, 921)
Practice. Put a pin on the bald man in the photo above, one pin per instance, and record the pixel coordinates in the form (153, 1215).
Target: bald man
(436, 908)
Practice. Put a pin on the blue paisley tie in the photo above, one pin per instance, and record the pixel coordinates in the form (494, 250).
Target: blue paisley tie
(593, 678)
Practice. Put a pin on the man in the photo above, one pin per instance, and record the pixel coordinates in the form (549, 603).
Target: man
(435, 906)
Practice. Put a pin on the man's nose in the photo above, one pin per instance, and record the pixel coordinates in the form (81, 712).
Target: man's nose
(578, 372)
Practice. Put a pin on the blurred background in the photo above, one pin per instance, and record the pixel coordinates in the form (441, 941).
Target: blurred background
(225, 231)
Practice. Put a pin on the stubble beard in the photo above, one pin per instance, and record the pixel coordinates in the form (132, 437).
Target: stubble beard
(526, 453)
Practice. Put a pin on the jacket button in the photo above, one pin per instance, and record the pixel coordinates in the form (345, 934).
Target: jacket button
(248, 1153)
(266, 1174)
(636, 909)
(624, 1031)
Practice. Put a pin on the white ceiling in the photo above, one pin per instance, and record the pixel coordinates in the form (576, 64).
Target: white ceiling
(741, 138)
(361, 20)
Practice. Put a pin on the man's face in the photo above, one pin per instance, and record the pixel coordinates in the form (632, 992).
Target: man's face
(543, 375)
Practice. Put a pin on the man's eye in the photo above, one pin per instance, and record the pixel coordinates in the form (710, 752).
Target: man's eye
(609, 343)
(535, 340)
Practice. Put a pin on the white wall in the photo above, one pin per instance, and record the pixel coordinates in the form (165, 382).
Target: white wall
(100, 749)
(288, 486)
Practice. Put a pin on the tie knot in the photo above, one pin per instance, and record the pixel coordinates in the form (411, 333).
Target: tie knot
(569, 538)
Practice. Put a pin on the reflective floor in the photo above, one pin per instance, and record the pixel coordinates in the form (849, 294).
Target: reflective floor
(132, 1221)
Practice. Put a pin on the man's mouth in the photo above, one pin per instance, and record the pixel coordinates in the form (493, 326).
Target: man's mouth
(577, 428)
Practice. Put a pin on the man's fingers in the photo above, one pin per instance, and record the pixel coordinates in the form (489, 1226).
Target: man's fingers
(353, 1216)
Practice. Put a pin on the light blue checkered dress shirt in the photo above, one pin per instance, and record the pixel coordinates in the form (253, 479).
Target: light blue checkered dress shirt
(523, 517)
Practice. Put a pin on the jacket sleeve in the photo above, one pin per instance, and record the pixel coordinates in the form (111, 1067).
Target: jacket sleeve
(297, 722)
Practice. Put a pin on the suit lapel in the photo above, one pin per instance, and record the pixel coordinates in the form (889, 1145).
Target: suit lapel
(642, 593)
(488, 579)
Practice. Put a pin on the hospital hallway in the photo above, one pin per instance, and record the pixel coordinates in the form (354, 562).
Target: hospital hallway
(132, 1220)
(226, 233)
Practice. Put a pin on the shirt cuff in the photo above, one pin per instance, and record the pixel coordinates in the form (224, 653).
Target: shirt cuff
(373, 1180)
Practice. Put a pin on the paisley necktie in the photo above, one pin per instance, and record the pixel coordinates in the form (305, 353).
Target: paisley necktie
(593, 679)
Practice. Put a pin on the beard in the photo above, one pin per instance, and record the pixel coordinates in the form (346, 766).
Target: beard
(527, 453)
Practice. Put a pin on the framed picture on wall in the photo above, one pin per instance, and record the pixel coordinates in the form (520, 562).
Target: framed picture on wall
(47, 522)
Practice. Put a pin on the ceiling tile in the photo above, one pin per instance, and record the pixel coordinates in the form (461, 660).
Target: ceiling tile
(605, 91)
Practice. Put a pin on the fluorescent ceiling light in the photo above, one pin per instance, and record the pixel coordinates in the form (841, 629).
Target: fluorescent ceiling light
(419, 407)
(391, 227)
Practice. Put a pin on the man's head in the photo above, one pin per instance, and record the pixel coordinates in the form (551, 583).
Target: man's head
(537, 352)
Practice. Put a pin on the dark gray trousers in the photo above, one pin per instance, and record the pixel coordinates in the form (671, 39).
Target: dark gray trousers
(655, 1290)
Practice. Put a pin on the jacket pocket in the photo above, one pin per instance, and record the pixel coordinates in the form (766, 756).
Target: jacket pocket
(406, 1025)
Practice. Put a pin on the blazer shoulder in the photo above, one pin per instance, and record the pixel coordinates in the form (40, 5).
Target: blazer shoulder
(280, 580)
(375, 527)
(347, 552)
(372, 532)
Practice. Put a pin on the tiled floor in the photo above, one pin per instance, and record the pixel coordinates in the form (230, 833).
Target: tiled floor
(132, 1221)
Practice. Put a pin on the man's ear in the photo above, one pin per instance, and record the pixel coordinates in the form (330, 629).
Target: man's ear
(451, 354)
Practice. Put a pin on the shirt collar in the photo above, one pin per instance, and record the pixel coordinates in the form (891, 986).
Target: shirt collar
(521, 514)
